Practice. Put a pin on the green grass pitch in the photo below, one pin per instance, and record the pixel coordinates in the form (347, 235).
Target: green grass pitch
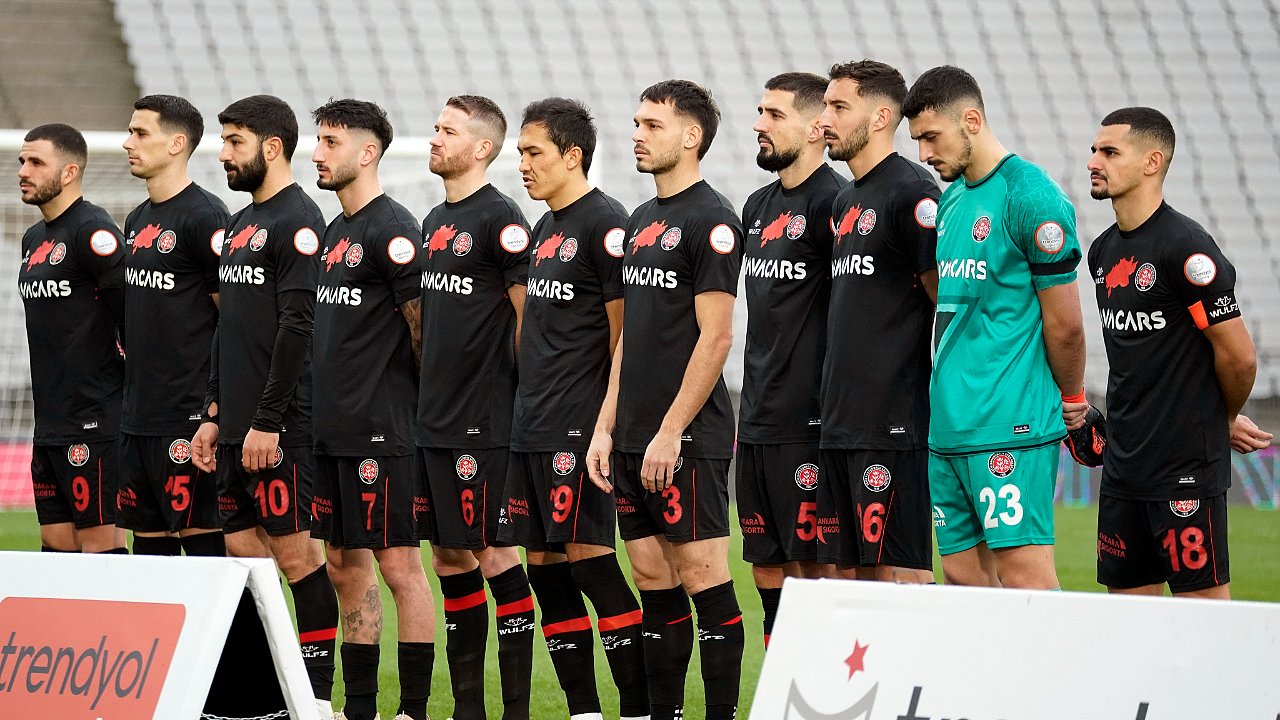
(1254, 535)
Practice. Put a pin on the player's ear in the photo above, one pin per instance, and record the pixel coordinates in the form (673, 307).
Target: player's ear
(483, 149)
(692, 136)
(971, 120)
(369, 155)
(815, 133)
(177, 143)
(1155, 163)
(883, 118)
(272, 148)
(70, 173)
(573, 158)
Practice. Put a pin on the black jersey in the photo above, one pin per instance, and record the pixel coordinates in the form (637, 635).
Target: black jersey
(564, 341)
(678, 247)
(473, 251)
(76, 368)
(788, 248)
(875, 380)
(1158, 287)
(270, 249)
(171, 271)
(365, 382)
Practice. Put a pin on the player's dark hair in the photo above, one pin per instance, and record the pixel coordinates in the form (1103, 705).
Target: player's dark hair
(807, 88)
(875, 79)
(568, 123)
(692, 101)
(65, 139)
(940, 88)
(266, 116)
(177, 115)
(1148, 123)
(486, 112)
(356, 115)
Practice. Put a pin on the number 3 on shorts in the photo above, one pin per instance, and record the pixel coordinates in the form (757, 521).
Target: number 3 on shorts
(1012, 512)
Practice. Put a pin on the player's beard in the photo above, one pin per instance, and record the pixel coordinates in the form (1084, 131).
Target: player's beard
(340, 176)
(771, 159)
(658, 164)
(961, 164)
(249, 176)
(45, 193)
(857, 142)
(448, 167)
(1102, 193)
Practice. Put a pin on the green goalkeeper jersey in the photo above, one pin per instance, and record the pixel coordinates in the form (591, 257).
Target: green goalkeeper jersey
(1000, 240)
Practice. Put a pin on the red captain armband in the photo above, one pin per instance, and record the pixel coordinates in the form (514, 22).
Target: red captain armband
(1077, 398)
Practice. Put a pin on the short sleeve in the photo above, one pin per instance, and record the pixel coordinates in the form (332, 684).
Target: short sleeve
(1202, 278)
(607, 242)
(205, 231)
(1042, 224)
(716, 253)
(915, 224)
(510, 244)
(398, 259)
(100, 248)
(297, 246)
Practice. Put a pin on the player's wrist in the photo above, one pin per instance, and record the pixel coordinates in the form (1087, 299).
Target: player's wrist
(209, 414)
(1077, 398)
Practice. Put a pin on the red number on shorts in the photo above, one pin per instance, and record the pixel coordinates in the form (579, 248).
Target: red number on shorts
(179, 492)
(468, 506)
(80, 491)
(807, 521)
(872, 522)
(272, 499)
(562, 501)
(673, 513)
(369, 500)
(1194, 556)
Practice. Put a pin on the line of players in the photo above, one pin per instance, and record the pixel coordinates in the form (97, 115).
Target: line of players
(393, 347)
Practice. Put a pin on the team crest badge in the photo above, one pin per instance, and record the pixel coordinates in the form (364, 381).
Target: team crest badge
(180, 450)
(981, 228)
(78, 455)
(671, 238)
(866, 221)
(568, 249)
(279, 457)
(462, 244)
(258, 241)
(58, 253)
(1184, 508)
(167, 242)
(368, 471)
(807, 476)
(795, 228)
(1146, 277)
(355, 254)
(467, 467)
(876, 478)
(1001, 464)
(563, 463)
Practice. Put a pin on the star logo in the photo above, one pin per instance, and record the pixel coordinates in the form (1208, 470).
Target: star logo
(854, 661)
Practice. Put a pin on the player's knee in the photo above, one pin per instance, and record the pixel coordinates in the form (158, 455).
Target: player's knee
(768, 576)
(496, 560)
(698, 575)
(451, 561)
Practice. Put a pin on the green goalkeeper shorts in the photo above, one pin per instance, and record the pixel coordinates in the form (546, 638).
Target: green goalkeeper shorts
(1001, 497)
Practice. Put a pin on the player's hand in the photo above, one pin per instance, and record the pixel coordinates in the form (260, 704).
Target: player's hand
(659, 467)
(598, 460)
(259, 450)
(1246, 436)
(1073, 414)
(203, 444)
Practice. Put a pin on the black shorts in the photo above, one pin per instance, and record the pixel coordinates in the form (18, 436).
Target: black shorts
(278, 499)
(551, 501)
(694, 507)
(874, 509)
(367, 502)
(467, 492)
(76, 483)
(777, 489)
(160, 490)
(1152, 542)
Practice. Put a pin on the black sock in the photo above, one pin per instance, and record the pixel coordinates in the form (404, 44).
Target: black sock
(47, 549)
(720, 641)
(114, 551)
(567, 629)
(668, 645)
(316, 606)
(360, 671)
(210, 544)
(163, 545)
(414, 660)
(769, 599)
(514, 613)
(602, 581)
(466, 621)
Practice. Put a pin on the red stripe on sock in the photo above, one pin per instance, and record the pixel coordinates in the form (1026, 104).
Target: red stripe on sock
(466, 601)
(318, 635)
(567, 626)
(523, 605)
(677, 621)
(766, 642)
(734, 621)
(614, 622)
